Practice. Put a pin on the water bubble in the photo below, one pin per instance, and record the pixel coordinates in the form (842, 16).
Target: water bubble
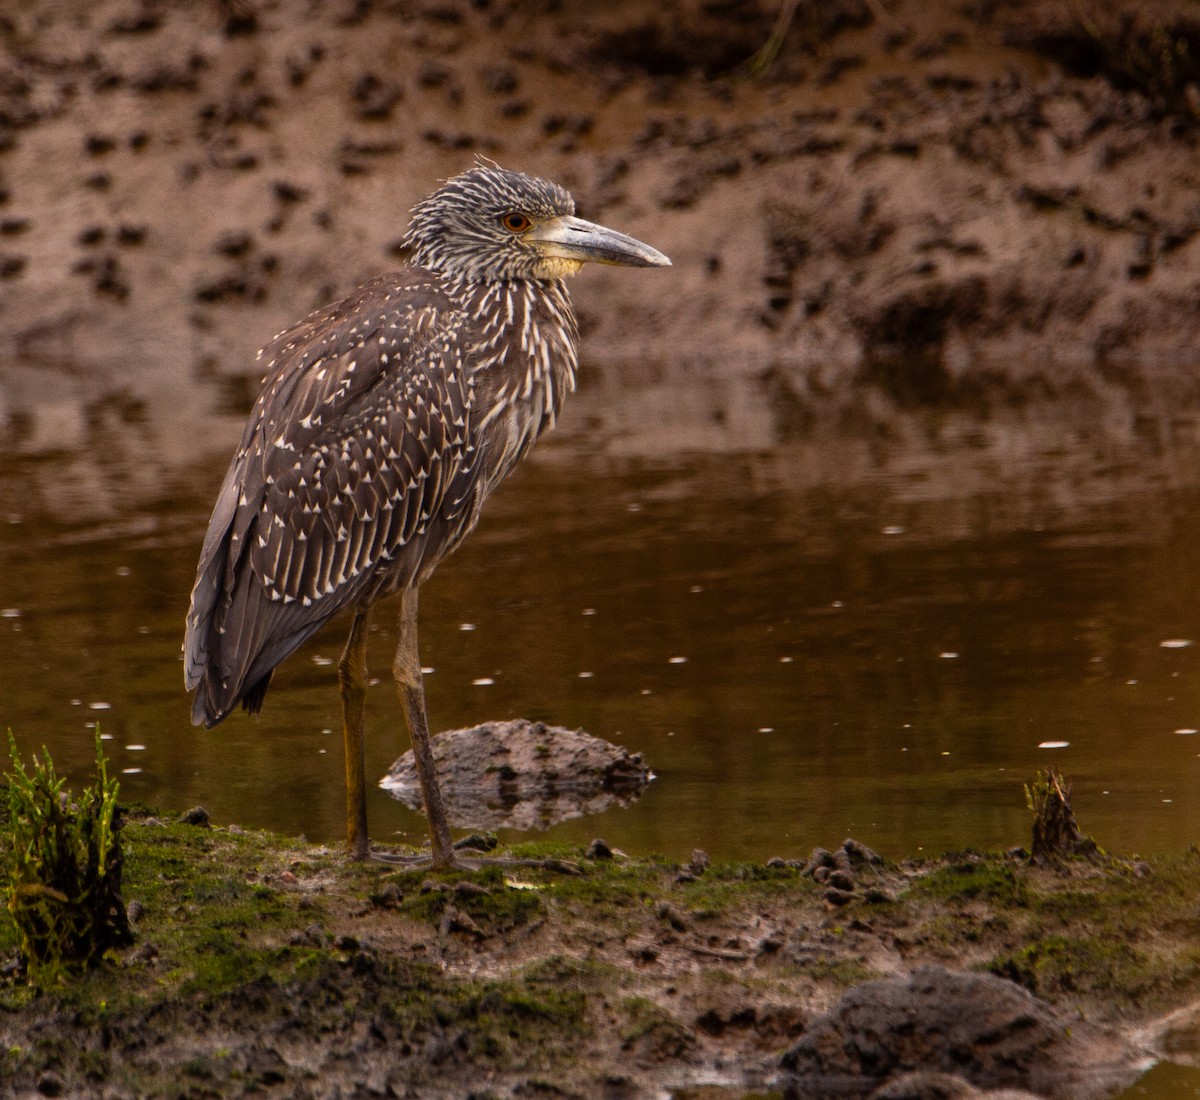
(696, 588)
(428, 670)
(99, 706)
(483, 681)
(318, 659)
(1186, 731)
(893, 529)
(588, 611)
(135, 748)
(123, 570)
(948, 655)
(786, 660)
(1053, 744)
(677, 660)
(766, 729)
(131, 771)
(466, 626)
(10, 613)
(586, 675)
(1176, 643)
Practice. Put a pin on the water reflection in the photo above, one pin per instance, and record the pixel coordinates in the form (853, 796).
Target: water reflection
(814, 616)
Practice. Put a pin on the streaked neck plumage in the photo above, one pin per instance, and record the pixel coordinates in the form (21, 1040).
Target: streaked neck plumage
(525, 360)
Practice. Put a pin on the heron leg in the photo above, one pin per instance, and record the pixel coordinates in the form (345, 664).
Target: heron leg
(352, 680)
(407, 670)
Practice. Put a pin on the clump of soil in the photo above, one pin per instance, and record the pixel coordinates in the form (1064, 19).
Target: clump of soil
(523, 775)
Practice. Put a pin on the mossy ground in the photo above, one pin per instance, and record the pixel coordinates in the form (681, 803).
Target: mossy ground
(265, 965)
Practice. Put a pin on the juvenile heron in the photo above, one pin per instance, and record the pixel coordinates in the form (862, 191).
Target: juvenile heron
(384, 422)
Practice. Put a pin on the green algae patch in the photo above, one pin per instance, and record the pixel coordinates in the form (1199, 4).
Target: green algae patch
(1059, 964)
(483, 902)
(1114, 936)
(265, 964)
(971, 878)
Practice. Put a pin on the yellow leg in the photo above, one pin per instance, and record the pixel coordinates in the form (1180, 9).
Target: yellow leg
(407, 670)
(352, 679)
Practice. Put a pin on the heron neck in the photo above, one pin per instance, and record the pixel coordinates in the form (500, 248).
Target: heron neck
(525, 360)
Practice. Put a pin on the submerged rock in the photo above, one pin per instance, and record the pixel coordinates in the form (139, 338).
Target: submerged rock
(523, 775)
(985, 1030)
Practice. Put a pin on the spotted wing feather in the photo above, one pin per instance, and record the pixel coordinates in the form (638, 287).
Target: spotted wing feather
(359, 447)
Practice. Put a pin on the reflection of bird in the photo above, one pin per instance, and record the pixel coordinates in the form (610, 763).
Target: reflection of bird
(384, 422)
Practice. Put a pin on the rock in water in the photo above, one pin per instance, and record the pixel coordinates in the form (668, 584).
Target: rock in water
(983, 1029)
(523, 775)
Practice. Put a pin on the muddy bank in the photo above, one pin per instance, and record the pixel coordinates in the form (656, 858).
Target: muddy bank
(931, 198)
(268, 967)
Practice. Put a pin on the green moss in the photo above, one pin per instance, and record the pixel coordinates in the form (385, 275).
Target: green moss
(647, 1024)
(484, 896)
(226, 947)
(974, 878)
(724, 885)
(1060, 964)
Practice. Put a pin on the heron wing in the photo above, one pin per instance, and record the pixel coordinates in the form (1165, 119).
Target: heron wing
(360, 440)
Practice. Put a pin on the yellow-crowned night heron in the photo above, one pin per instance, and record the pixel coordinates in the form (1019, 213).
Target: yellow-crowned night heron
(384, 422)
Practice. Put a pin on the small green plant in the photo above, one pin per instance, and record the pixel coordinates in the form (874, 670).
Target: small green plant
(1056, 833)
(63, 865)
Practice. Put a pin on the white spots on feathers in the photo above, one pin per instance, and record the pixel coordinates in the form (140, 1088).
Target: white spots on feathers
(377, 427)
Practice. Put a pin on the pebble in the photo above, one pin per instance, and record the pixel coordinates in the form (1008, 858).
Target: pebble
(599, 849)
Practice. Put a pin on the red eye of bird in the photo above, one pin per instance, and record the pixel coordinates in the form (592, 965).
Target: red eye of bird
(515, 222)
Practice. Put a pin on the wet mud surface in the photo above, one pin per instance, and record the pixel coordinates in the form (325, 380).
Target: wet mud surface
(265, 967)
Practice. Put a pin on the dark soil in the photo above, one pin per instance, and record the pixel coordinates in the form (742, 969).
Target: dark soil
(266, 967)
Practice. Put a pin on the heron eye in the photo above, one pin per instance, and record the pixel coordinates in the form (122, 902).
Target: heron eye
(515, 222)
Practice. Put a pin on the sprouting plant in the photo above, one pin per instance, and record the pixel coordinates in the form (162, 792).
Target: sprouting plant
(63, 861)
(1055, 831)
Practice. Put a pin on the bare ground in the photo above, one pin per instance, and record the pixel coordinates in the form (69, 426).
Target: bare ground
(269, 968)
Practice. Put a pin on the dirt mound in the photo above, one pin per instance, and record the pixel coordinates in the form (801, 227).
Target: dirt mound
(522, 775)
(977, 1027)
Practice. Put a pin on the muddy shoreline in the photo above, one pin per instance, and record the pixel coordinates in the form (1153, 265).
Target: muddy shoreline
(932, 199)
(978, 209)
(268, 967)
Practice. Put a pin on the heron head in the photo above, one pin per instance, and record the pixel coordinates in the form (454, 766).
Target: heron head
(488, 225)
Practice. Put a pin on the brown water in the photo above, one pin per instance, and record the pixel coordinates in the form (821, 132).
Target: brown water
(814, 622)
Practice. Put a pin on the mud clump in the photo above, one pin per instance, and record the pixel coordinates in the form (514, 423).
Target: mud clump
(978, 1028)
(523, 775)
